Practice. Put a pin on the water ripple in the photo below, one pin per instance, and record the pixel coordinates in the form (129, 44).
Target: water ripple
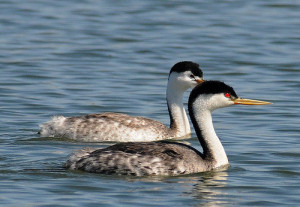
(68, 59)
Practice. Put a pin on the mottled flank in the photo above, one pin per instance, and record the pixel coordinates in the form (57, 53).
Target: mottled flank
(140, 159)
(106, 127)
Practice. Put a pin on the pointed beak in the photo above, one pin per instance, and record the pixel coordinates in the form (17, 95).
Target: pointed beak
(199, 81)
(249, 102)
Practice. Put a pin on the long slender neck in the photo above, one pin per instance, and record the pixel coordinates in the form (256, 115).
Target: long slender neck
(179, 122)
(213, 149)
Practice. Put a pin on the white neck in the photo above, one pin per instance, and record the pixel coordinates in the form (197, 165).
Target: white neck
(212, 147)
(178, 118)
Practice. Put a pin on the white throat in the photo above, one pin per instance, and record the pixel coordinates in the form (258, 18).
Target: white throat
(178, 116)
(212, 146)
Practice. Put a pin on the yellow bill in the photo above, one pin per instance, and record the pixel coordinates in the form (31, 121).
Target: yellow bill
(249, 102)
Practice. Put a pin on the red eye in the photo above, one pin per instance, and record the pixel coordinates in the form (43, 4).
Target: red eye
(227, 95)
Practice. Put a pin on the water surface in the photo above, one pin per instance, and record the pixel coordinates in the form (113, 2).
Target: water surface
(63, 58)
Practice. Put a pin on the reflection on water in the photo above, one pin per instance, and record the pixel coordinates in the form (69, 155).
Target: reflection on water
(206, 187)
(208, 191)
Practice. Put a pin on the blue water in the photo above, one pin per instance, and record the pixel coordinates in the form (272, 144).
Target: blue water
(78, 57)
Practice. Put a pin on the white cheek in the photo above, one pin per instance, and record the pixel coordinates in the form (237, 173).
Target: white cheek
(219, 101)
(186, 82)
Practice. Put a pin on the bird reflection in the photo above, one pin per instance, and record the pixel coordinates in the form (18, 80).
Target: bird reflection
(204, 189)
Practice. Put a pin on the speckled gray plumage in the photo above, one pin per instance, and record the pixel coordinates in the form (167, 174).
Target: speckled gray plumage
(115, 126)
(140, 159)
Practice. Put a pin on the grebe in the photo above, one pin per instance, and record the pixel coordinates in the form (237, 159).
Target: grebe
(119, 127)
(167, 158)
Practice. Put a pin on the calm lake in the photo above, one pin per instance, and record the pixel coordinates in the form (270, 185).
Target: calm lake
(78, 57)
